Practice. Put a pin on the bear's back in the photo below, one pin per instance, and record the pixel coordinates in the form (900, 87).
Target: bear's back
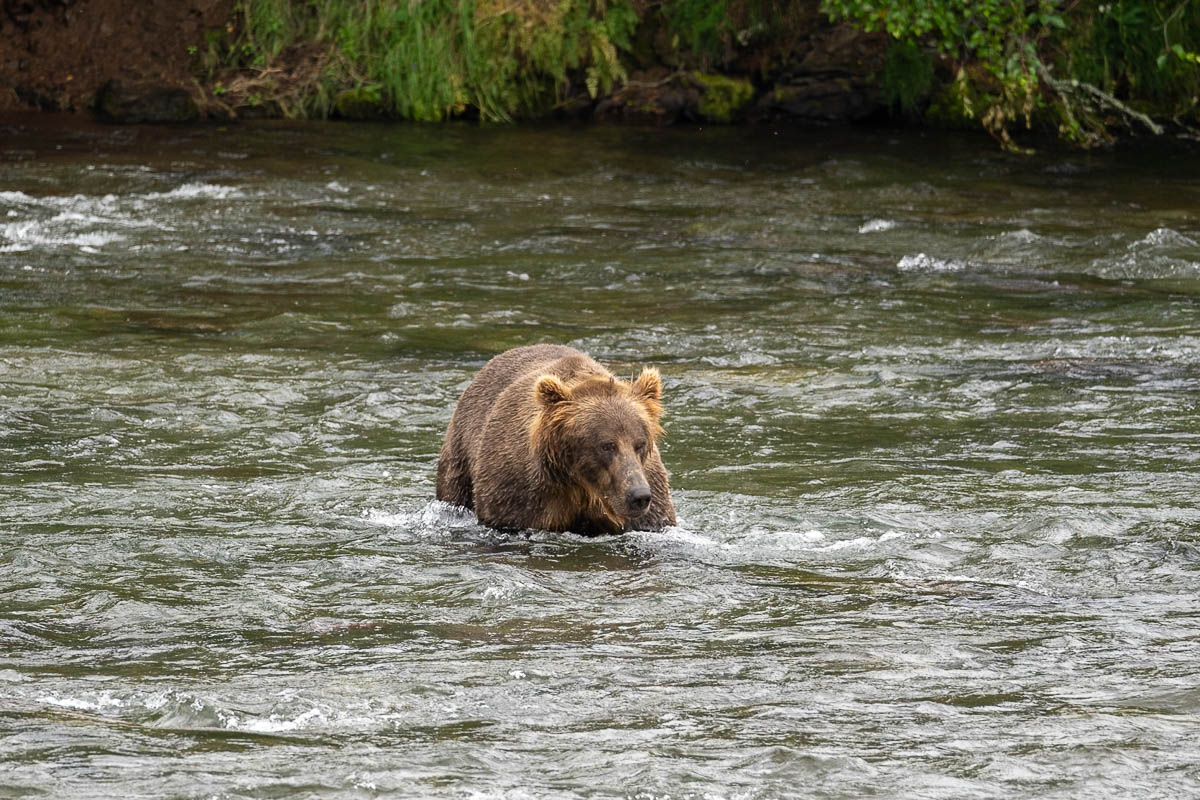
(479, 400)
(505, 368)
(498, 395)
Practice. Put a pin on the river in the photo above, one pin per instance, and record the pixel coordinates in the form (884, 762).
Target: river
(932, 425)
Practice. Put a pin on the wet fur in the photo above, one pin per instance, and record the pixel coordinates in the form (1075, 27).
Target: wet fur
(521, 449)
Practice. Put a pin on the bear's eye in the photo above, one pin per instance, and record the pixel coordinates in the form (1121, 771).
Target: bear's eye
(608, 448)
(640, 447)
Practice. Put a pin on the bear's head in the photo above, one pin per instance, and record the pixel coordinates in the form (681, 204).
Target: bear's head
(595, 435)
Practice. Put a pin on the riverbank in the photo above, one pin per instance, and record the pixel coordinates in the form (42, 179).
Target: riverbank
(1090, 74)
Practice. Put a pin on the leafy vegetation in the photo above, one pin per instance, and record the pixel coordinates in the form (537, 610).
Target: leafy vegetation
(1083, 68)
(436, 58)
(907, 76)
(715, 33)
(1145, 53)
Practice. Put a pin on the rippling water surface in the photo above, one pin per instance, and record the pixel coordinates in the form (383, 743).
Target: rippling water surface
(932, 423)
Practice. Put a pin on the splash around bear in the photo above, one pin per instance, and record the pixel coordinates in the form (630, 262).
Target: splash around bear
(544, 437)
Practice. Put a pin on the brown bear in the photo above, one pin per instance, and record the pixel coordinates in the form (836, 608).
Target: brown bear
(544, 437)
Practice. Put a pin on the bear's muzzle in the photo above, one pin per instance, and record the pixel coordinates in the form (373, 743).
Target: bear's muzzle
(637, 500)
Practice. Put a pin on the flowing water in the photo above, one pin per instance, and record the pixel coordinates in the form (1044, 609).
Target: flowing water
(931, 421)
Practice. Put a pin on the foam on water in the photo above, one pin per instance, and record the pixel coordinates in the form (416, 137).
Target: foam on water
(101, 701)
(89, 222)
(1162, 253)
(192, 191)
(25, 236)
(757, 544)
(925, 263)
(877, 226)
(435, 518)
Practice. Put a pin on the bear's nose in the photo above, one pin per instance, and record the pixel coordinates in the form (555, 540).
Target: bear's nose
(638, 499)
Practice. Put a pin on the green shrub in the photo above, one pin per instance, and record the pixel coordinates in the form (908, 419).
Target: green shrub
(1084, 66)
(700, 26)
(907, 75)
(435, 58)
(1140, 50)
(716, 33)
(998, 37)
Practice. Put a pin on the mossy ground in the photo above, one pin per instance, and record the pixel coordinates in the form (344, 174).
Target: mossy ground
(723, 98)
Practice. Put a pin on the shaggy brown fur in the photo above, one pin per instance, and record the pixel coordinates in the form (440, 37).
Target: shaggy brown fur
(545, 437)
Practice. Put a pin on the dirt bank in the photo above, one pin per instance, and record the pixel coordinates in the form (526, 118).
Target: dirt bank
(57, 54)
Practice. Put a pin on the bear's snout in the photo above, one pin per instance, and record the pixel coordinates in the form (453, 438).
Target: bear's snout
(638, 500)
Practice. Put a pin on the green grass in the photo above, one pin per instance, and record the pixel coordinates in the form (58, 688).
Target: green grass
(436, 58)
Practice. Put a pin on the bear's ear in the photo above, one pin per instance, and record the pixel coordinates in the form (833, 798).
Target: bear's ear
(648, 386)
(550, 390)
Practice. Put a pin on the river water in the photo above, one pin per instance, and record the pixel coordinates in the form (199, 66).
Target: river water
(931, 418)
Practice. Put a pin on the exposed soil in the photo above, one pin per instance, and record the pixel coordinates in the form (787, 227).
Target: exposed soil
(57, 54)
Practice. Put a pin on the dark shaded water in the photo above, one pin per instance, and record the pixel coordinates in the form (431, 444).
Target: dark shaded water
(932, 423)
